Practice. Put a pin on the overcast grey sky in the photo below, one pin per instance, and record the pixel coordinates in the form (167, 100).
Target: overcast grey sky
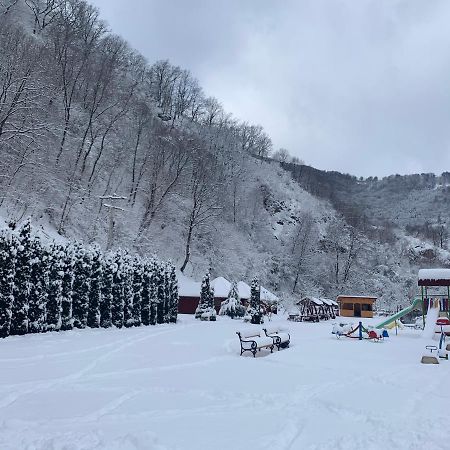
(359, 86)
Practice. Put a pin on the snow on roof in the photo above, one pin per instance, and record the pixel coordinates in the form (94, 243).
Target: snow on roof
(326, 301)
(357, 296)
(315, 300)
(187, 287)
(221, 287)
(441, 277)
(244, 290)
(267, 295)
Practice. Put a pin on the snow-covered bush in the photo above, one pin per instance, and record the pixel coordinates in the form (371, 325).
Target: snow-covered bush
(232, 306)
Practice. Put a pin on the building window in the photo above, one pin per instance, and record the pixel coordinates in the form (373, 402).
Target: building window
(348, 306)
(366, 307)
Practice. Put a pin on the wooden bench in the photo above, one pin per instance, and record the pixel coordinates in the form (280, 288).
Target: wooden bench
(294, 317)
(281, 337)
(253, 340)
(310, 318)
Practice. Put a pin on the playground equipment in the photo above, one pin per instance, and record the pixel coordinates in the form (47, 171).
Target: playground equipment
(358, 332)
(428, 280)
(391, 320)
(442, 326)
(443, 349)
(431, 355)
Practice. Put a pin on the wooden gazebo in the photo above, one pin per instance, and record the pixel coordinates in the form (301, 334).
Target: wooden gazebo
(313, 309)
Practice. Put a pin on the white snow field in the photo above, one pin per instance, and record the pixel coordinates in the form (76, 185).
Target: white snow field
(185, 386)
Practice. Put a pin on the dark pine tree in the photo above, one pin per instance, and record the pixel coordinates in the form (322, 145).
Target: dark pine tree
(255, 303)
(39, 278)
(67, 286)
(107, 291)
(155, 280)
(167, 293)
(55, 288)
(138, 272)
(95, 292)
(19, 320)
(160, 293)
(81, 282)
(117, 304)
(205, 309)
(8, 250)
(173, 294)
(146, 293)
(128, 291)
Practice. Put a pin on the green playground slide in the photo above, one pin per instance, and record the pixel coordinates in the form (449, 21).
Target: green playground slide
(401, 313)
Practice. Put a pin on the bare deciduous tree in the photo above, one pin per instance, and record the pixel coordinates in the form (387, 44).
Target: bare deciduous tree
(203, 197)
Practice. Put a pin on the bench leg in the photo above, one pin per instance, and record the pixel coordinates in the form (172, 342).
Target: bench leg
(271, 349)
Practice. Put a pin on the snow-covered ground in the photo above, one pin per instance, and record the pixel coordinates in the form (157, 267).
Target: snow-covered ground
(185, 386)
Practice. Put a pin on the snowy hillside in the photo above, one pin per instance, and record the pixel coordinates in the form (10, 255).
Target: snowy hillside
(128, 154)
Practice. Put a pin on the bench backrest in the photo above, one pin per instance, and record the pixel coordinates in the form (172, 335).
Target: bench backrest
(274, 329)
(250, 332)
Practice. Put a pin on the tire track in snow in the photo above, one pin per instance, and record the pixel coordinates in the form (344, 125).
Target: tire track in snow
(14, 396)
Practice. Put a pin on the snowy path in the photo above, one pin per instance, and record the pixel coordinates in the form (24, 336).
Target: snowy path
(185, 387)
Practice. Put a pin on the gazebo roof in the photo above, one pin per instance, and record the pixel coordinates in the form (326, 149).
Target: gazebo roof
(267, 296)
(434, 277)
(315, 300)
(327, 301)
(221, 287)
(359, 297)
(187, 287)
(244, 290)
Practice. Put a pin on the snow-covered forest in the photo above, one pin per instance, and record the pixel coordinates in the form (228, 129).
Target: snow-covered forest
(99, 145)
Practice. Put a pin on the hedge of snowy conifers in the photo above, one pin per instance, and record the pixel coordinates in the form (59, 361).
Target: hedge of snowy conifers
(60, 287)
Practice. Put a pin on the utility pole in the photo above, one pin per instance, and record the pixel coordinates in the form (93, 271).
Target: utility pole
(112, 207)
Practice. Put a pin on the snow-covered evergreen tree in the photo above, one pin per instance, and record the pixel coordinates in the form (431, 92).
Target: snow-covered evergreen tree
(19, 320)
(81, 286)
(118, 291)
(154, 290)
(39, 279)
(173, 294)
(232, 306)
(66, 290)
(108, 269)
(8, 250)
(204, 296)
(160, 292)
(167, 293)
(54, 287)
(95, 291)
(254, 310)
(211, 313)
(128, 291)
(138, 271)
(146, 293)
(205, 309)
